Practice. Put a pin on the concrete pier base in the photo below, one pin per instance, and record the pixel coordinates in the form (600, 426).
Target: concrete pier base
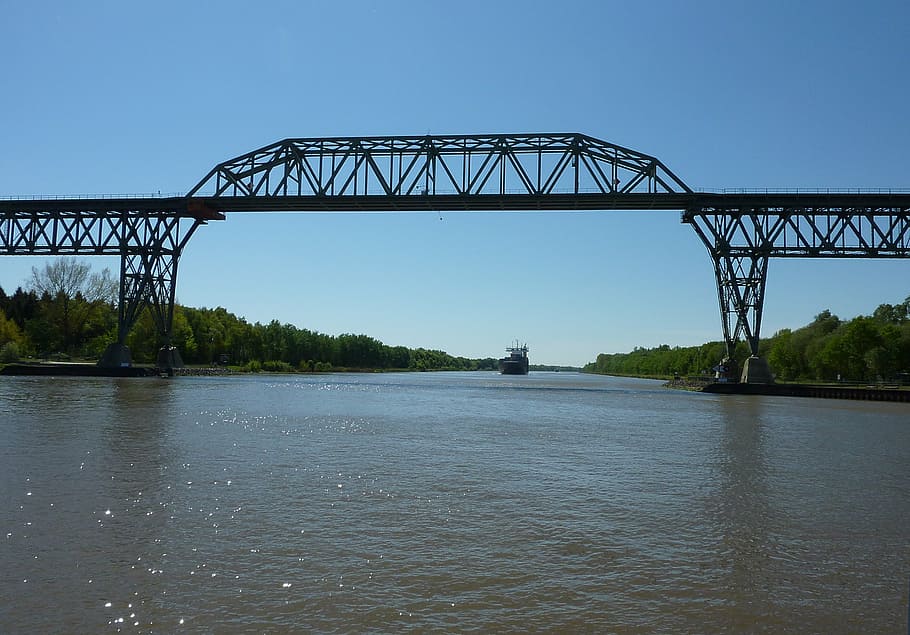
(169, 359)
(757, 371)
(116, 356)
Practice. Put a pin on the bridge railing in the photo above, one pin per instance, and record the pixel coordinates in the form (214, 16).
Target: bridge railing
(804, 190)
(90, 197)
(452, 191)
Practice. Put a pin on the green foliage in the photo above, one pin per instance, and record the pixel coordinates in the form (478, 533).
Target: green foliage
(280, 347)
(423, 359)
(143, 339)
(19, 307)
(74, 305)
(274, 366)
(74, 315)
(70, 311)
(252, 366)
(866, 348)
(665, 361)
(9, 353)
(182, 335)
(9, 331)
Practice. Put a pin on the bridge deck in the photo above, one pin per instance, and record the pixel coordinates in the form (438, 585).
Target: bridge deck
(189, 206)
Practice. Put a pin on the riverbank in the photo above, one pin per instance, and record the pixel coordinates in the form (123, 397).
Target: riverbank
(70, 369)
(76, 369)
(88, 369)
(818, 391)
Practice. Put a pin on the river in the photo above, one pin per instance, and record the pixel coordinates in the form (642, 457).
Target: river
(447, 502)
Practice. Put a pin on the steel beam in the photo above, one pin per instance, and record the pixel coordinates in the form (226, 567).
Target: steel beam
(562, 171)
(149, 241)
(430, 166)
(740, 241)
(805, 232)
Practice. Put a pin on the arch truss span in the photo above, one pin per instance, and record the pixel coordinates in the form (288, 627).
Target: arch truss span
(526, 171)
(742, 232)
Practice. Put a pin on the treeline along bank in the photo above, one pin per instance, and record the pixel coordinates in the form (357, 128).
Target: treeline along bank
(68, 312)
(866, 348)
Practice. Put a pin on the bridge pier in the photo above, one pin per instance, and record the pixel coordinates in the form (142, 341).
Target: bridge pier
(741, 275)
(116, 355)
(148, 279)
(168, 360)
(741, 282)
(756, 371)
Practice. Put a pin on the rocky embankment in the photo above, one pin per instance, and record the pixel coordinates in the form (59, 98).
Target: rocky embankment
(211, 371)
(696, 384)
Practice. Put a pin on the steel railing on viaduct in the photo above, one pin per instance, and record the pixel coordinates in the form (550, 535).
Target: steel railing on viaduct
(741, 230)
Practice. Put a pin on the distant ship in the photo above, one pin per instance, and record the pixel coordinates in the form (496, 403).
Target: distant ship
(517, 361)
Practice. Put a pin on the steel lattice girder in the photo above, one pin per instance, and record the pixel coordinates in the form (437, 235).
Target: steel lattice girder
(537, 164)
(741, 241)
(477, 172)
(806, 232)
(39, 227)
(148, 242)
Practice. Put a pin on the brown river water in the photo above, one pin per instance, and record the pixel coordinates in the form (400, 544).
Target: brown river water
(447, 502)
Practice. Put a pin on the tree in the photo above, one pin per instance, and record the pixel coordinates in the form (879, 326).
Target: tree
(9, 331)
(71, 294)
(9, 353)
(182, 334)
(783, 355)
(824, 323)
(21, 306)
(399, 357)
(274, 342)
(893, 313)
(142, 338)
(862, 335)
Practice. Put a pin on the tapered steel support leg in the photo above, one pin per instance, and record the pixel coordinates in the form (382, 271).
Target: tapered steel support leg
(148, 278)
(741, 273)
(741, 293)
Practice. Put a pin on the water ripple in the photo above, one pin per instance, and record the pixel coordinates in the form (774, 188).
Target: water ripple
(446, 502)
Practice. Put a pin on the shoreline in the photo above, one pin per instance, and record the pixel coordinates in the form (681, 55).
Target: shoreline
(705, 385)
(815, 391)
(87, 369)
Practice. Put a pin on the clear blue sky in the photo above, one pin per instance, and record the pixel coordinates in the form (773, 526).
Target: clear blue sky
(122, 97)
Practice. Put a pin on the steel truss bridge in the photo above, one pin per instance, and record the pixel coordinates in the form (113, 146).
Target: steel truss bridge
(555, 172)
